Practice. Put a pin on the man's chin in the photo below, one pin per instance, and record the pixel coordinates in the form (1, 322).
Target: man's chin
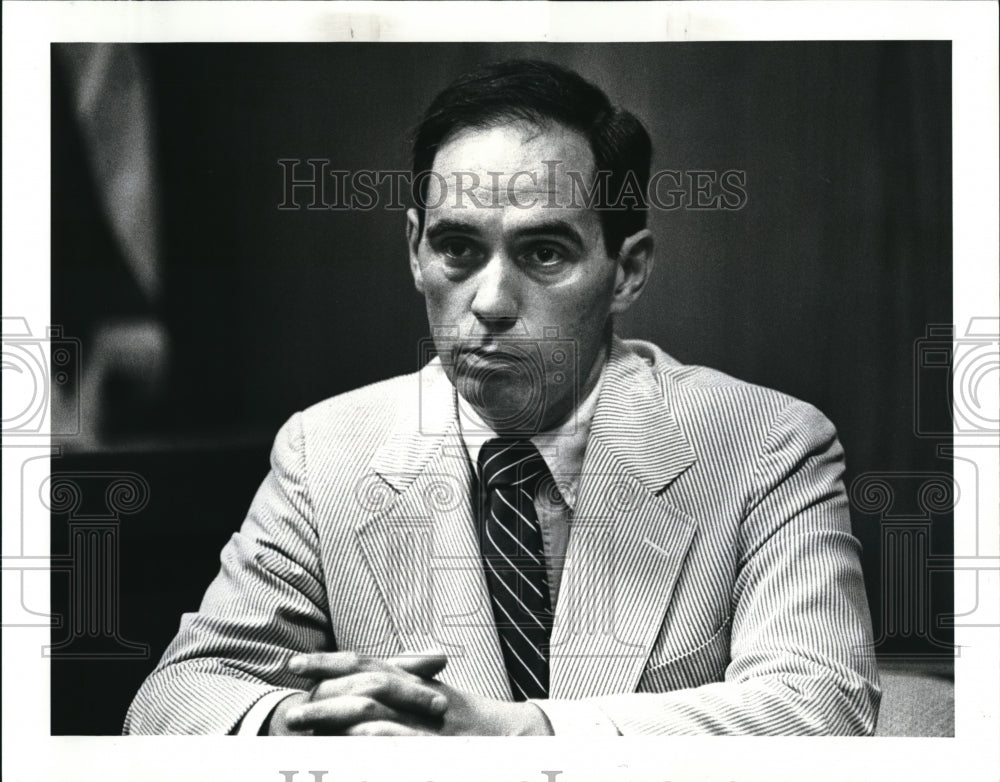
(503, 408)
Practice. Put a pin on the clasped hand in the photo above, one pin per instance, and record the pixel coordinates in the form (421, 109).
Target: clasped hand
(357, 695)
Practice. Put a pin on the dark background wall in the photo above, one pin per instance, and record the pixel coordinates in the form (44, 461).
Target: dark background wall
(821, 286)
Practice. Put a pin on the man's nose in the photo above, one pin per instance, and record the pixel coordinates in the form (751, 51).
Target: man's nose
(496, 302)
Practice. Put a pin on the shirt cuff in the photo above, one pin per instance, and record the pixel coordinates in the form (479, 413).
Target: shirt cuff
(254, 719)
(576, 718)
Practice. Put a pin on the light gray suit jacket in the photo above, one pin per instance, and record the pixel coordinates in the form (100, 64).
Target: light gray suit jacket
(711, 585)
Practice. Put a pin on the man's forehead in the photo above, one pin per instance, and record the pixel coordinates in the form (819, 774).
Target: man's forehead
(514, 140)
(511, 165)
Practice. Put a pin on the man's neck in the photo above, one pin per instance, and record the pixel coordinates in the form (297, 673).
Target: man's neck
(590, 381)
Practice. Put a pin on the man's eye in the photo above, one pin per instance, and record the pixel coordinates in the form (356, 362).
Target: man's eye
(544, 255)
(459, 250)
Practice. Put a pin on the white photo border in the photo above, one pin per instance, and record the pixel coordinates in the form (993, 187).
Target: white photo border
(29, 28)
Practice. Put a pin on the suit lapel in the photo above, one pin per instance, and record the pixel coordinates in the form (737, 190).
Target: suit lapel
(626, 549)
(627, 543)
(423, 548)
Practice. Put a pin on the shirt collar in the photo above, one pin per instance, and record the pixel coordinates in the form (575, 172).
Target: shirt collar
(562, 447)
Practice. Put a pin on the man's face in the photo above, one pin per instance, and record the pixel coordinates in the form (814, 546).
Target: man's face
(517, 280)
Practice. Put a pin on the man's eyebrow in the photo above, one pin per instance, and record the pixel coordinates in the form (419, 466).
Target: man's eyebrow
(447, 225)
(557, 228)
(552, 228)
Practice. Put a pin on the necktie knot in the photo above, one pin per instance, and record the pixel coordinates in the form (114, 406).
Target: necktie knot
(507, 462)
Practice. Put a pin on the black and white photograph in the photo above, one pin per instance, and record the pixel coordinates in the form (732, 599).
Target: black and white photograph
(394, 384)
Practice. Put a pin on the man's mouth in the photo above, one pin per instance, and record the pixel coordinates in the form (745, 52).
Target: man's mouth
(494, 357)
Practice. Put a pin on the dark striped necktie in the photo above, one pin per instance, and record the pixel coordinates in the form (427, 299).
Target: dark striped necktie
(514, 561)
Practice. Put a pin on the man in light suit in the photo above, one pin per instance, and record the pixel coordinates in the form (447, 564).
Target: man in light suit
(546, 529)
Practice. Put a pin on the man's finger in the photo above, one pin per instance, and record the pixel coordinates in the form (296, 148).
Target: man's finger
(426, 664)
(336, 715)
(323, 665)
(333, 665)
(385, 728)
(390, 688)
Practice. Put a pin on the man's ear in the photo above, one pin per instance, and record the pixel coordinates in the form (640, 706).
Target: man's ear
(635, 264)
(413, 241)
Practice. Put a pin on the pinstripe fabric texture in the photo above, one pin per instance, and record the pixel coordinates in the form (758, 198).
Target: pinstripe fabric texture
(711, 583)
(514, 560)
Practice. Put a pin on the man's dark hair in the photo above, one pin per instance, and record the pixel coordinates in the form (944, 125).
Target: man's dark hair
(537, 92)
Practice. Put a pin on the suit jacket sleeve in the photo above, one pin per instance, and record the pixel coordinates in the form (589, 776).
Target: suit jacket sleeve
(232, 652)
(801, 659)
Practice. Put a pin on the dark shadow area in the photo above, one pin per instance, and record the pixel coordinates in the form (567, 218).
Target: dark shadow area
(167, 553)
